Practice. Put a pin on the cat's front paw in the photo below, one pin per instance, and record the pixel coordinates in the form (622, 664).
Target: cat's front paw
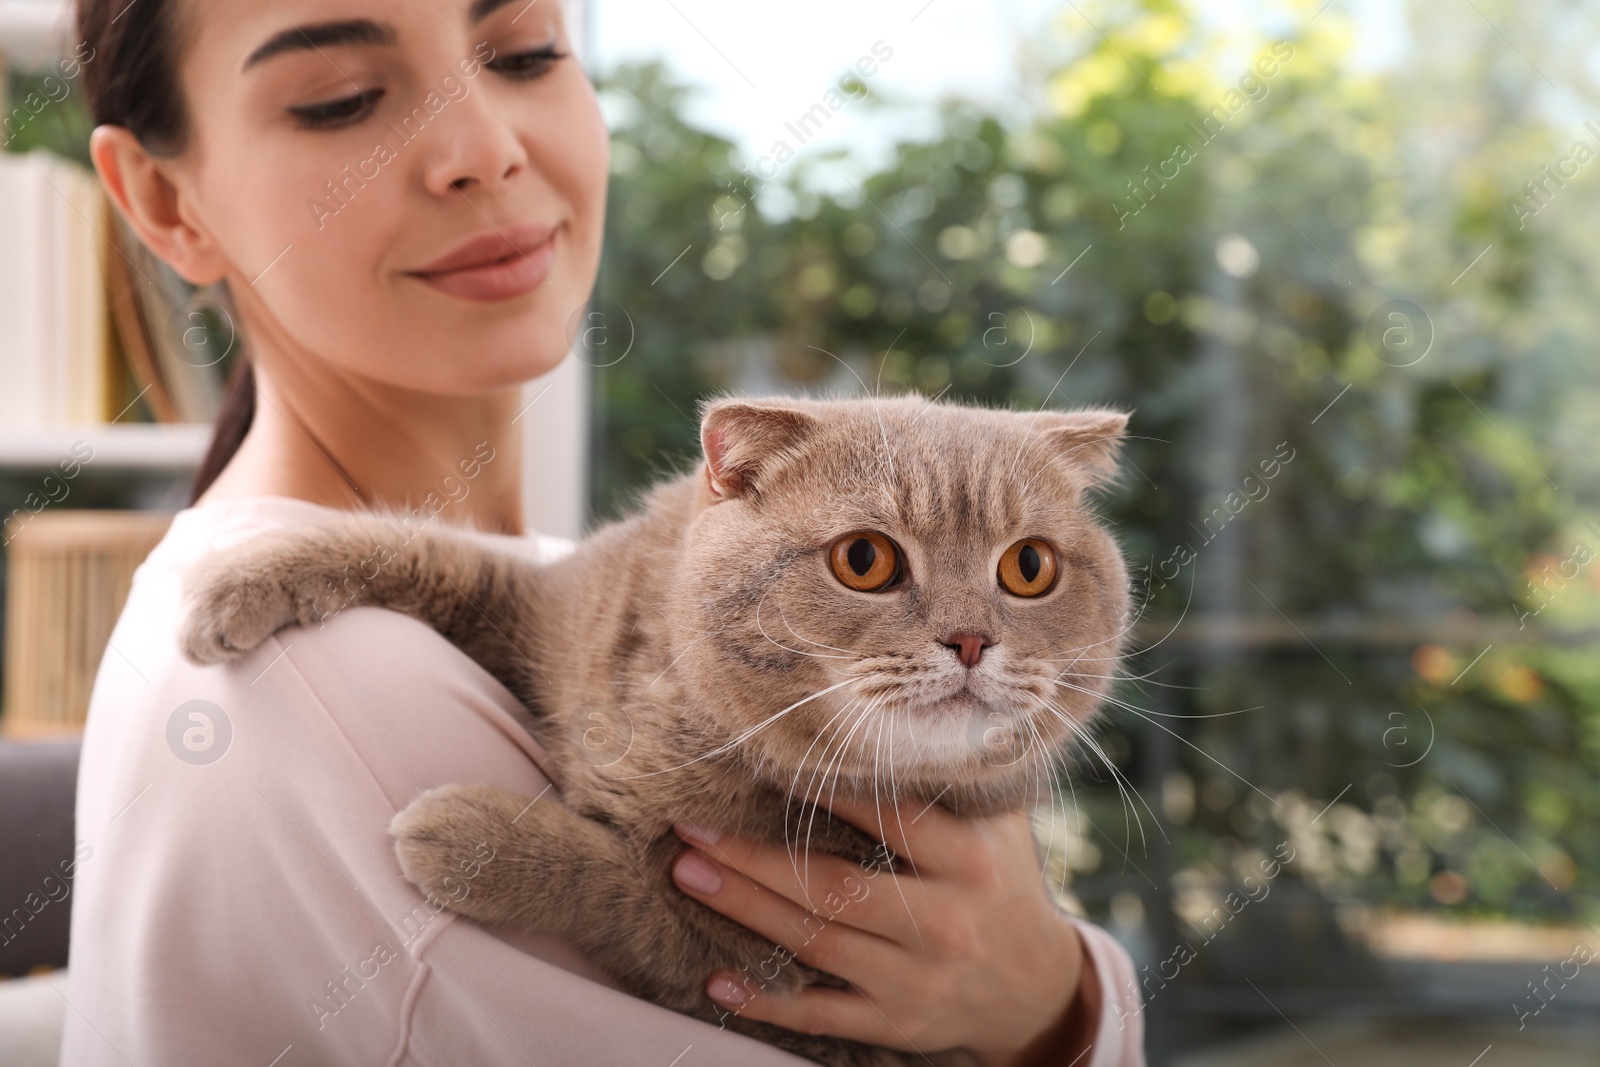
(236, 598)
(449, 839)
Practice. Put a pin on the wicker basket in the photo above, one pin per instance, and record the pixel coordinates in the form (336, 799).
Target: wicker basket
(68, 578)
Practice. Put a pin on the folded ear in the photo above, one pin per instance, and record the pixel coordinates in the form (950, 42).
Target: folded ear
(1091, 439)
(742, 437)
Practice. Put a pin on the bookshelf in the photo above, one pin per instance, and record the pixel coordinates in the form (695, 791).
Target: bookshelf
(152, 446)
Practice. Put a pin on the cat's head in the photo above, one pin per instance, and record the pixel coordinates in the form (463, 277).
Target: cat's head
(905, 589)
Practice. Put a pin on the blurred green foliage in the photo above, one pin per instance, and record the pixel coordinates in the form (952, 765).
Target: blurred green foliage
(1238, 306)
(45, 111)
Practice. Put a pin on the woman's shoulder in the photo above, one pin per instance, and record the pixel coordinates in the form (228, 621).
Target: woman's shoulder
(382, 650)
(251, 800)
(368, 685)
(214, 526)
(390, 693)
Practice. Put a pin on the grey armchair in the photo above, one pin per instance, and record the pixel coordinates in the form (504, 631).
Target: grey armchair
(38, 782)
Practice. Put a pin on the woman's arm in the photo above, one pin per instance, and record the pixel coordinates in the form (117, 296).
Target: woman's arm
(253, 900)
(1071, 1037)
(968, 950)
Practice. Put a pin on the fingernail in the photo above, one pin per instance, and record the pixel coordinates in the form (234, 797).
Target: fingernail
(694, 871)
(725, 990)
(701, 834)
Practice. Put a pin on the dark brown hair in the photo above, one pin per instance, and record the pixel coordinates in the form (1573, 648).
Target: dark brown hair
(130, 77)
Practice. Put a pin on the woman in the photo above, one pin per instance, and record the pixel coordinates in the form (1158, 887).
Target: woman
(405, 200)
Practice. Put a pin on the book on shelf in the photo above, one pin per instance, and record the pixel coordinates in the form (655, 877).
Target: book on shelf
(55, 361)
(87, 314)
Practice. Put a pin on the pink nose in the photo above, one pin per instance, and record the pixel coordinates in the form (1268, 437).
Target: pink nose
(968, 647)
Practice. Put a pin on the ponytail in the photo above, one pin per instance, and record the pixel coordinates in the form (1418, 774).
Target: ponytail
(233, 422)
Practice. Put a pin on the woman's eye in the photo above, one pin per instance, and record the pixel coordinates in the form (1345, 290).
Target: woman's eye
(1028, 567)
(527, 64)
(865, 561)
(336, 113)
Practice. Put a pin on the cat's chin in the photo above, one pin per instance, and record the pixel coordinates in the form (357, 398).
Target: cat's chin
(949, 736)
(961, 702)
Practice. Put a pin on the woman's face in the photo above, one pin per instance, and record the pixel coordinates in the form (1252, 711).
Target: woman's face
(413, 190)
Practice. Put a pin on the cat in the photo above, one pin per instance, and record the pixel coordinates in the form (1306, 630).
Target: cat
(708, 657)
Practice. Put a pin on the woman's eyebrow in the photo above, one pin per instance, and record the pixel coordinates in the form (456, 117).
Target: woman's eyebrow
(352, 31)
(307, 38)
(482, 9)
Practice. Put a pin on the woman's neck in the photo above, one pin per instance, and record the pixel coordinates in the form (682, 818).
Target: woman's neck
(356, 443)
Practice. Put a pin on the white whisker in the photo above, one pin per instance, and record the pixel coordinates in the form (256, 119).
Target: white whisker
(850, 654)
(780, 644)
(794, 852)
(1117, 776)
(883, 836)
(744, 736)
(819, 778)
(1146, 716)
(838, 762)
(1184, 614)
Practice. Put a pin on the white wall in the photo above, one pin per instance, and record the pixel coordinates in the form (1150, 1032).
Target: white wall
(555, 434)
(555, 443)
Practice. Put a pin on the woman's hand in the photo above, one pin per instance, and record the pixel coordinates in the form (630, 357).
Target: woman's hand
(965, 950)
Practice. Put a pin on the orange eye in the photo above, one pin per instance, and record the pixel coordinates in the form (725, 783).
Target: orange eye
(1028, 567)
(864, 560)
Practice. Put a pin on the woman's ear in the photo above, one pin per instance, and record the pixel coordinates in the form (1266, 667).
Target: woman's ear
(143, 190)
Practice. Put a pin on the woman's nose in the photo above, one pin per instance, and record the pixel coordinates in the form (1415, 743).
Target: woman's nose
(476, 148)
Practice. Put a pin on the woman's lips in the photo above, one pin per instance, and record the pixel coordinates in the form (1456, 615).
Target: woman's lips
(496, 266)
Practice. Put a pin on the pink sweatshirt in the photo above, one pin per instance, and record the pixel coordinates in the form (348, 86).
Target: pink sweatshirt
(237, 899)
